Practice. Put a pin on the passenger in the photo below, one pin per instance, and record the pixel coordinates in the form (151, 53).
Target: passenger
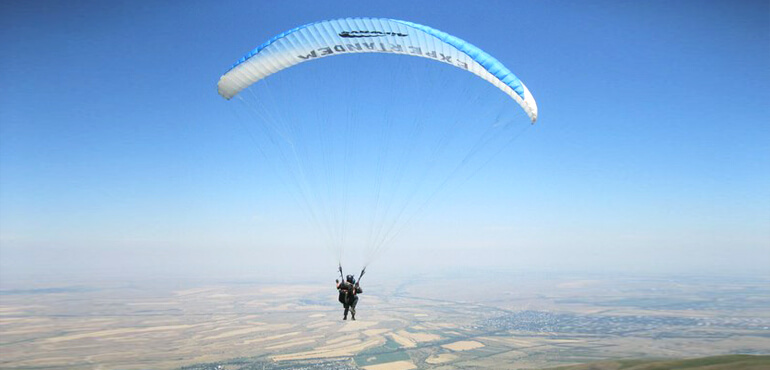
(349, 291)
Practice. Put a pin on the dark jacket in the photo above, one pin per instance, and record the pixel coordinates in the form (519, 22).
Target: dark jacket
(348, 291)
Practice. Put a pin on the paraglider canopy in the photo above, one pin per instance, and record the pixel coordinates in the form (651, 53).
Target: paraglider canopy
(370, 35)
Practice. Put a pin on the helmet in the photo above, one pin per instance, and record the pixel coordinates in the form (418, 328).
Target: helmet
(350, 279)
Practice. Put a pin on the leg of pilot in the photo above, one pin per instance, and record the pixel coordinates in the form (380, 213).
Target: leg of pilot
(353, 304)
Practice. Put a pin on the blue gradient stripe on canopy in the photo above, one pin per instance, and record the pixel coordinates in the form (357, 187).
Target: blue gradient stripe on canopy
(371, 35)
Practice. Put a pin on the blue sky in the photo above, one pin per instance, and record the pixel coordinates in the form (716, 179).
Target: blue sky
(652, 151)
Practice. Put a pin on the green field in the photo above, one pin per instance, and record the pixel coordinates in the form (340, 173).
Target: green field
(388, 352)
(732, 362)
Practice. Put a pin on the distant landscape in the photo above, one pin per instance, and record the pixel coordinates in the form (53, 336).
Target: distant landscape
(512, 321)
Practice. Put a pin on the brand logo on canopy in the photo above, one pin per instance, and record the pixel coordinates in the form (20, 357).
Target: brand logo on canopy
(354, 34)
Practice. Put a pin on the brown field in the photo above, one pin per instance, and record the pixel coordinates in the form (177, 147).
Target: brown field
(463, 345)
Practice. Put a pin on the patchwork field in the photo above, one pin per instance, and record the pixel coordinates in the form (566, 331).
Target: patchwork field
(540, 324)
